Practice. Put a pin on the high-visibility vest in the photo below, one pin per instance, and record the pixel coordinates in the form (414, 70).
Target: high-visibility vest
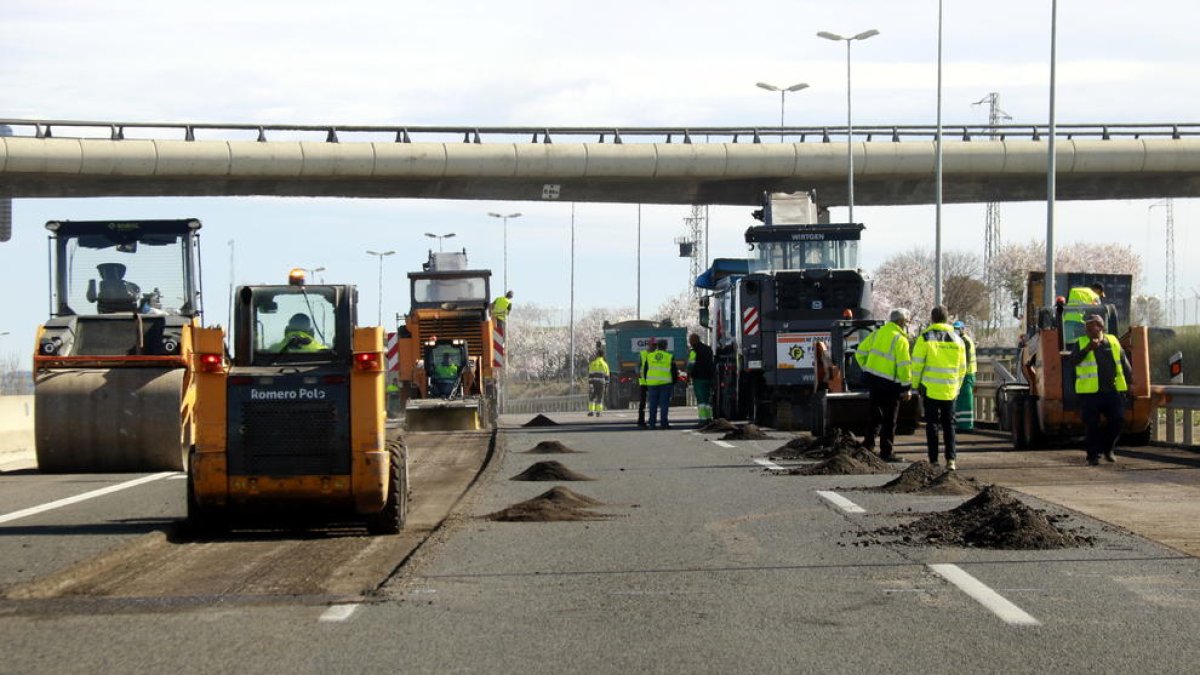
(500, 308)
(884, 353)
(939, 362)
(306, 343)
(972, 363)
(1080, 295)
(598, 369)
(445, 371)
(1087, 371)
(658, 369)
(642, 367)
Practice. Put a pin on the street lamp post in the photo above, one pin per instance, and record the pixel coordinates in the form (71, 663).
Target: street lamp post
(381, 256)
(505, 218)
(1051, 166)
(783, 91)
(849, 118)
(312, 271)
(439, 237)
(937, 184)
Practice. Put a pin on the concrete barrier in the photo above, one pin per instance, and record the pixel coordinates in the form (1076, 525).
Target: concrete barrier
(16, 426)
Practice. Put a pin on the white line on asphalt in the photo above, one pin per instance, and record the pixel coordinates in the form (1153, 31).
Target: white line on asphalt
(723, 444)
(34, 510)
(998, 604)
(338, 613)
(841, 502)
(769, 464)
(182, 476)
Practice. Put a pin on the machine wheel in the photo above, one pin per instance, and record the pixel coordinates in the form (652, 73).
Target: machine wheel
(390, 520)
(1016, 417)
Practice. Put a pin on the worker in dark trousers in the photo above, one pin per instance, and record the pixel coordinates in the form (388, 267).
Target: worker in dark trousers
(661, 373)
(642, 391)
(887, 367)
(1102, 376)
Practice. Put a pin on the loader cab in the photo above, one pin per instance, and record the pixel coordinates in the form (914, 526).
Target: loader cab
(294, 324)
(448, 368)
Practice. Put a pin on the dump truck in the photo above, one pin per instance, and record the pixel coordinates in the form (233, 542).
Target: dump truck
(765, 324)
(448, 319)
(294, 422)
(623, 343)
(113, 384)
(1037, 404)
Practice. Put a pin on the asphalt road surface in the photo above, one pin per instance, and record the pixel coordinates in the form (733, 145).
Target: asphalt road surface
(705, 561)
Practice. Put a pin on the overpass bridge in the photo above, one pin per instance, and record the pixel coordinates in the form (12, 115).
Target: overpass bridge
(666, 165)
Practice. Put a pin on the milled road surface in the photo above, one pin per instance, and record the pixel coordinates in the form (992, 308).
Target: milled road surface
(708, 563)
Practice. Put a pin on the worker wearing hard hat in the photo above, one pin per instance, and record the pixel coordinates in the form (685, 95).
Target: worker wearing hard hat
(964, 406)
(298, 337)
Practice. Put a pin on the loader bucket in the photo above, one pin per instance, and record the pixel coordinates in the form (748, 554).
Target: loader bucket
(442, 416)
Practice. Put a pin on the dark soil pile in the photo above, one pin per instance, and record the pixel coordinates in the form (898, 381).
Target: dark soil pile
(550, 470)
(550, 448)
(555, 505)
(745, 432)
(926, 478)
(806, 446)
(540, 421)
(992, 519)
(859, 461)
(718, 426)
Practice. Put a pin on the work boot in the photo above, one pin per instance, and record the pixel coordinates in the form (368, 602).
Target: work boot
(951, 466)
(933, 460)
(1110, 456)
(590, 413)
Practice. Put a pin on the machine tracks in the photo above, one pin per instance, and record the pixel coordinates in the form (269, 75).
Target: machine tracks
(317, 565)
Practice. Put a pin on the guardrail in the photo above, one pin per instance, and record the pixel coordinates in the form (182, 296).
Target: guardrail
(335, 133)
(545, 404)
(1175, 423)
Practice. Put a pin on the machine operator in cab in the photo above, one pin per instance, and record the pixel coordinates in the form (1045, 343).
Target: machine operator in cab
(298, 337)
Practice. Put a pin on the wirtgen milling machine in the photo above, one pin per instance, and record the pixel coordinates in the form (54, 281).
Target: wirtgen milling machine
(113, 383)
(447, 375)
(296, 422)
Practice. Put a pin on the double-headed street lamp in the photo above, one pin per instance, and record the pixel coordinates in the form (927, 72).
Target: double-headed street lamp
(783, 91)
(381, 256)
(439, 237)
(505, 218)
(849, 118)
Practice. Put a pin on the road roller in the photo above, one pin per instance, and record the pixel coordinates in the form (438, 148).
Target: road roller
(294, 422)
(113, 385)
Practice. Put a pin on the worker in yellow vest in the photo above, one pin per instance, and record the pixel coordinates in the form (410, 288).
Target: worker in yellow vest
(597, 383)
(660, 373)
(964, 406)
(502, 307)
(884, 358)
(1102, 376)
(939, 363)
(1082, 295)
(642, 393)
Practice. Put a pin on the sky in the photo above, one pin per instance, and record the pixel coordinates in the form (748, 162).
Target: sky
(567, 63)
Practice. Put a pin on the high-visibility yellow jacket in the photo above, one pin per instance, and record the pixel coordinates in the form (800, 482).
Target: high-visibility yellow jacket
(642, 367)
(972, 362)
(304, 342)
(884, 353)
(939, 362)
(658, 368)
(1080, 295)
(598, 370)
(500, 308)
(1087, 372)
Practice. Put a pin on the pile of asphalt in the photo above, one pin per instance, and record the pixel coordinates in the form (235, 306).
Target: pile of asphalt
(540, 421)
(807, 446)
(551, 448)
(994, 518)
(549, 470)
(925, 478)
(557, 504)
(858, 461)
(745, 432)
(718, 426)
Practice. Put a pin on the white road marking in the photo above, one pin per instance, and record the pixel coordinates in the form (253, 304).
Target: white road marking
(338, 613)
(182, 476)
(841, 502)
(998, 604)
(34, 510)
(769, 464)
(723, 444)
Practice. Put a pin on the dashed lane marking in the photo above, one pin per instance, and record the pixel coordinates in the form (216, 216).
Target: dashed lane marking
(338, 613)
(769, 464)
(34, 510)
(840, 501)
(723, 444)
(998, 604)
